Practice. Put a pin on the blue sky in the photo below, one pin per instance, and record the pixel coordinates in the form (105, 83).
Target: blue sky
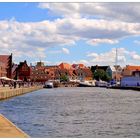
(86, 33)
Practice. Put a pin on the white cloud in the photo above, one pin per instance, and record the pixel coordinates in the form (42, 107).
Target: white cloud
(128, 12)
(109, 58)
(65, 50)
(135, 56)
(99, 41)
(92, 54)
(31, 39)
(82, 61)
(62, 9)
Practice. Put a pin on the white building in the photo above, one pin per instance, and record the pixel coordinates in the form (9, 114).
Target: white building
(131, 81)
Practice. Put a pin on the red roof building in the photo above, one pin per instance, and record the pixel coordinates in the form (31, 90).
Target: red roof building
(3, 72)
(22, 71)
(128, 70)
(64, 66)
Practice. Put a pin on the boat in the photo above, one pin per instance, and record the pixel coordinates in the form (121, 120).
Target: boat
(48, 84)
(87, 84)
(101, 83)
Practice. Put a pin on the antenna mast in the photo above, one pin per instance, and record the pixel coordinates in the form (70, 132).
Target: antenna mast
(116, 61)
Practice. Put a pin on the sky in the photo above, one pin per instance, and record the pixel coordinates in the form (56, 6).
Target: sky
(87, 33)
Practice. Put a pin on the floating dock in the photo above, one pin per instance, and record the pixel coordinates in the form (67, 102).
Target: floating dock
(9, 130)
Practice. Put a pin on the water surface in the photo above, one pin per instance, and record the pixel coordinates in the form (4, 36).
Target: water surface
(76, 112)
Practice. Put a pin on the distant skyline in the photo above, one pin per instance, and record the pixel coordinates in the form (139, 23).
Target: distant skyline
(86, 33)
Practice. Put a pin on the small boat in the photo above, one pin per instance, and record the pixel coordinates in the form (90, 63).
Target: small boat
(87, 84)
(101, 83)
(48, 84)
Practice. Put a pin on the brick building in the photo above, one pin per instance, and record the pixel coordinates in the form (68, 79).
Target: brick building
(41, 73)
(6, 65)
(3, 72)
(22, 71)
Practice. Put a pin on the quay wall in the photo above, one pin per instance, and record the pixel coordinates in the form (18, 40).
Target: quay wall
(10, 130)
(4, 94)
(126, 88)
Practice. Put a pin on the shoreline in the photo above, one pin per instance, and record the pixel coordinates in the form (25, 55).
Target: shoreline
(10, 130)
(9, 93)
(126, 88)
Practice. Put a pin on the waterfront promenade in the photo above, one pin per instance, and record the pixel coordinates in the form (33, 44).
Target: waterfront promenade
(7, 92)
(9, 130)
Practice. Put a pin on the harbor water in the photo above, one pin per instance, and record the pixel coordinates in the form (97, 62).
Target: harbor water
(76, 112)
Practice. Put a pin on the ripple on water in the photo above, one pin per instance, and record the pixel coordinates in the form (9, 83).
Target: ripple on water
(76, 112)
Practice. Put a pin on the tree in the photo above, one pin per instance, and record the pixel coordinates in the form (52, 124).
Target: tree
(101, 74)
(64, 78)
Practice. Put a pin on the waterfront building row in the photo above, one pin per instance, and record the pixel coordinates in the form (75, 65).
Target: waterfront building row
(42, 73)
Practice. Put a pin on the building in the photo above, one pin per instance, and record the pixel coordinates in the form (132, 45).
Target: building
(84, 74)
(14, 66)
(128, 70)
(76, 66)
(38, 74)
(115, 72)
(22, 71)
(3, 72)
(40, 64)
(42, 73)
(6, 65)
(131, 81)
(64, 66)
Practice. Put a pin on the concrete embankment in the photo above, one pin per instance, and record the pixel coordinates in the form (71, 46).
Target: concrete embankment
(9, 130)
(8, 93)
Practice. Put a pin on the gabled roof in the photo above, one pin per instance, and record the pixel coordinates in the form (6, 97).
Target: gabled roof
(132, 68)
(65, 66)
(14, 67)
(81, 65)
(99, 67)
(112, 68)
(4, 59)
(21, 64)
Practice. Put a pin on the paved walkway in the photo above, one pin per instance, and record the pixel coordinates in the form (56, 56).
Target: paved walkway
(9, 130)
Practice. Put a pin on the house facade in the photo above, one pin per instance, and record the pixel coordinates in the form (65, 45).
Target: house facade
(115, 72)
(128, 70)
(131, 81)
(42, 73)
(3, 72)
(22, 72)
(6, 65)
(84, 74)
